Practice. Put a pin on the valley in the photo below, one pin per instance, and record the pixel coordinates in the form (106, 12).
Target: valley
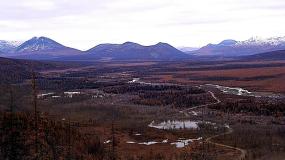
(157, 110)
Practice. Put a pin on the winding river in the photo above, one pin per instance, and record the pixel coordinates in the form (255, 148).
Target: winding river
(243, 92)
(227, 90)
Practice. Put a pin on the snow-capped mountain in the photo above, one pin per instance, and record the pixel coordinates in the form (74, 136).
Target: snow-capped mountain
(42, 48)
(251, 46)
(257, 41)
(9, 46)
(39, 44)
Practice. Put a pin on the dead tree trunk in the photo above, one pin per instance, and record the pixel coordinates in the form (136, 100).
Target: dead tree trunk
(35, 112)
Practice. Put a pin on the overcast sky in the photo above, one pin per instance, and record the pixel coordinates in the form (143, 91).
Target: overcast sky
(85, 23)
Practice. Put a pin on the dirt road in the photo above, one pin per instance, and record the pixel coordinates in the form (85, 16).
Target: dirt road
(209, 139)
(186, 111)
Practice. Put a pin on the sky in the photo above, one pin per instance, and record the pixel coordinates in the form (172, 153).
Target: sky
(83, 24)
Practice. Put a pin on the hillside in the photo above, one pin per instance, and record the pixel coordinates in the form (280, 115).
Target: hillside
(275, 55)
(15, 71)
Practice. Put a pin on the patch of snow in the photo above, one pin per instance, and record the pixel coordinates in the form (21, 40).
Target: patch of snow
(135, 80)
(181, 143)
(227, 126)
(108, 141)
(45, 94)
(70, 94)
(149, 143)
(165, 141)
(131, 142)
(194, 113)
(97, 96)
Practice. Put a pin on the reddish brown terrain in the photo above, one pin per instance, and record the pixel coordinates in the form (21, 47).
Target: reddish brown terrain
(114, 110)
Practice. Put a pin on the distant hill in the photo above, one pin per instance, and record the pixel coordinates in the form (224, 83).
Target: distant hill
(215, 49)
(132, 51)
(274, 55)
(232, 48)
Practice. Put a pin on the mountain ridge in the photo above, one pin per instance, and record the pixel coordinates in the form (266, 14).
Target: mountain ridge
(133, 51)
(43, 48)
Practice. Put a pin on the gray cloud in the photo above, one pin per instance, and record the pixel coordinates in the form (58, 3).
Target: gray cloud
(25, 9)
(86, 22)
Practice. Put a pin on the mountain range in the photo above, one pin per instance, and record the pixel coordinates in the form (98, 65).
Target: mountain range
(233, 48)
(43, 48)
(46, 48)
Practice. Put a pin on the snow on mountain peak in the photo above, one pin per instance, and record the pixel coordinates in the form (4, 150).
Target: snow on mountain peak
(258, 41)
(38, 44)
(276, 40)
(255, 39)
